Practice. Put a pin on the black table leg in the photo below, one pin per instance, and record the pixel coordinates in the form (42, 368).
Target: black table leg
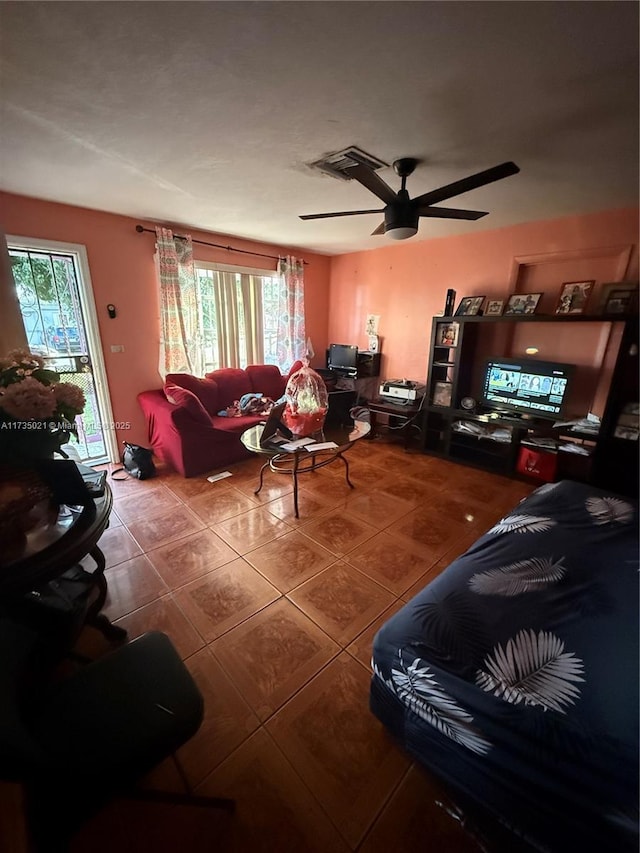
(94, 617)
(372, 423)
(112, 632)
(346, 473)
(295, 483)
(266, 465)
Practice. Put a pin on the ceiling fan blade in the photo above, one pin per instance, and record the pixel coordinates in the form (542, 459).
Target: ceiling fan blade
(450, 213)
(342, 213)
(368, 178)
(504, 170)
(379, 229)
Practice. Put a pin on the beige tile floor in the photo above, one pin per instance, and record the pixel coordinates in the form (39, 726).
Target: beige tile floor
(275, 616)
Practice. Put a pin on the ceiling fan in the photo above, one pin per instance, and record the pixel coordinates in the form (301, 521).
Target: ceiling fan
(401, 213)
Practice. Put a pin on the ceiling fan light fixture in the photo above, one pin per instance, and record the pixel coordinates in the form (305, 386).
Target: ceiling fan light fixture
(401, 212)
(400, 219)
(402, 232)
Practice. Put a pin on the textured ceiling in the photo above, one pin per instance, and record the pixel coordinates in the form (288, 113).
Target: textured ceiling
(205, 114)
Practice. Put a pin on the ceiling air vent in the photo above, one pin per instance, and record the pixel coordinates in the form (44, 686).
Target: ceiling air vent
(335, 164)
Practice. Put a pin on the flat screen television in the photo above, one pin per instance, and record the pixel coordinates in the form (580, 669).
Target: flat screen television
(343, 357)
(526, 386)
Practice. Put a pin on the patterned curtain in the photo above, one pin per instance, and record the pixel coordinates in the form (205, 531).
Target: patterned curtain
(180, 345)
(291, 328)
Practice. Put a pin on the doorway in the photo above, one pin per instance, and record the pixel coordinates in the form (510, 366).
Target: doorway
(58, 312)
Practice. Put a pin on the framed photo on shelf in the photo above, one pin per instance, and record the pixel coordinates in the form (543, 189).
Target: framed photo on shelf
(469, 306)
(442, 393)
(447, 334)
(620, 301)
(522, 303)
(574, 296)
(494, 308)
(605, 290)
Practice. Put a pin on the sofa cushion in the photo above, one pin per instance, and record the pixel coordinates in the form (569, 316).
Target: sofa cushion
(238, 425)
(206, 390)
(267, 380)
(187, 399)
(232, 383)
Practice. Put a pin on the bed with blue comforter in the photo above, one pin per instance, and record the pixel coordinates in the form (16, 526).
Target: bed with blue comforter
(514, 674)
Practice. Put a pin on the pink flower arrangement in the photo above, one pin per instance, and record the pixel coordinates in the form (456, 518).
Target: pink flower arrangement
(22, 360)
(68, 397)
(31, 394)
(28, 400)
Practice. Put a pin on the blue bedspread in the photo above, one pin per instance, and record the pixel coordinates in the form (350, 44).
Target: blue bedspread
(514, 674)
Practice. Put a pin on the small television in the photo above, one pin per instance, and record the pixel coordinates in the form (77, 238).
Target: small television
(343, 358)
(526, 386)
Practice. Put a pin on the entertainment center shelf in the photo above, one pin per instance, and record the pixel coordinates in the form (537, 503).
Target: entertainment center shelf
(492, 442)
(456, 427)
(537, 318)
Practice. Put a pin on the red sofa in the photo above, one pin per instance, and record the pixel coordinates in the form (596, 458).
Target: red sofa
(184, 427)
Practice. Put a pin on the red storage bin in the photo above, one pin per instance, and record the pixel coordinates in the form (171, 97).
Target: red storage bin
(537, 464)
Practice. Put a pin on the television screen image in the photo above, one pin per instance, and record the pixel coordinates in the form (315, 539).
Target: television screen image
(343, 357)
(537, 388)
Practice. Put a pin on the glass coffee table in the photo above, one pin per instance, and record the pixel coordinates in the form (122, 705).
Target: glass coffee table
(301, 461)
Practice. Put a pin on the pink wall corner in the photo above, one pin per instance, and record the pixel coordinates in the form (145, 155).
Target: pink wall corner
(406, 283)
(121, 263)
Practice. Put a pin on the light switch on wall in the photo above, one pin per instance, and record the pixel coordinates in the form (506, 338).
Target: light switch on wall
(117, 348)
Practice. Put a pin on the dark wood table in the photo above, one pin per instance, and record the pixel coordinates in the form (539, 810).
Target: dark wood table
(301, 461)
(405, 413)
(59, 539)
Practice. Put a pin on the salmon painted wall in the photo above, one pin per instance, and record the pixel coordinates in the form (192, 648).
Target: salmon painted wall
(121, 264)
(406, 283)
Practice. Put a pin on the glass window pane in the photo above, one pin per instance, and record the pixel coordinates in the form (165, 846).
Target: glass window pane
(208, 319)
(270, 286)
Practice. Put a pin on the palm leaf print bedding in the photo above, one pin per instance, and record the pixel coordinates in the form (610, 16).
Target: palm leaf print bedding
(514, 674)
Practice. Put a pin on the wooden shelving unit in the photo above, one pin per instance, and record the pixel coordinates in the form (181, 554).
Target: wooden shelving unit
(611, 461)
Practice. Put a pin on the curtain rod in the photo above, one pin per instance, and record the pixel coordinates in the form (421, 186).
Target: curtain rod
(140, 229)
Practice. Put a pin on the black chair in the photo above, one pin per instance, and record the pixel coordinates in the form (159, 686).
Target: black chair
(78, 743)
